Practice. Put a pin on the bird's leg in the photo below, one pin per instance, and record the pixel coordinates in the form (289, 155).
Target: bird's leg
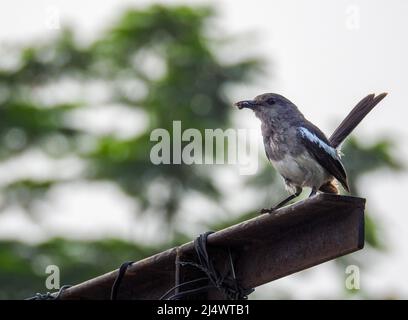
(314, 191)
(283, 202)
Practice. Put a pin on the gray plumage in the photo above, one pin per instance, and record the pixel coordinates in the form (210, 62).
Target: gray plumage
(299, 150)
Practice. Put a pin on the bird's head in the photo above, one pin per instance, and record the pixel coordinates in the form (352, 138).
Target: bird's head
(264, 101)
(271, 105)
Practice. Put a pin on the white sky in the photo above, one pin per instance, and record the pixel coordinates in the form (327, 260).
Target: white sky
(323, 55)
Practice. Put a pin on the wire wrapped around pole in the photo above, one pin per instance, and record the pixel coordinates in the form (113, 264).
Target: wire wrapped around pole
(227, 284)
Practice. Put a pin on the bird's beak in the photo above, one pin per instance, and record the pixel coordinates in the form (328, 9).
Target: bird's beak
(250, 104)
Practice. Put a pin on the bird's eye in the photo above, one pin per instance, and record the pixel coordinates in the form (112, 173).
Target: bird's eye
(271, 101)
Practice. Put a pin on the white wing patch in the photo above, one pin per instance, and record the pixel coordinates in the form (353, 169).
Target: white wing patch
(315, 139)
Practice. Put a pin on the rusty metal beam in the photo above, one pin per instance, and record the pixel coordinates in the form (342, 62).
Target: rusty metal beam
(265, 248)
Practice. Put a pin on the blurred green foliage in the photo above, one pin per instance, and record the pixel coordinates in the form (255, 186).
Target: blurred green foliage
(158, 60)
(189, 89)
(23, 266)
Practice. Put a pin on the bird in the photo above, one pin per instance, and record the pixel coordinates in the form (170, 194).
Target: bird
(299, 151)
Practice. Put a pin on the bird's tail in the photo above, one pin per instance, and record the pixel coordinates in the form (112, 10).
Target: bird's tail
(354, 118)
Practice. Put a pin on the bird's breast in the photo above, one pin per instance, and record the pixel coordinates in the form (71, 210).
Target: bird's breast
(301, 170)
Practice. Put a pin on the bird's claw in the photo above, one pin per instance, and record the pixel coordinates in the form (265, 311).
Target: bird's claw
(267, 210)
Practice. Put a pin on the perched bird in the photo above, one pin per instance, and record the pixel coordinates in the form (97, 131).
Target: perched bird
(299, 150)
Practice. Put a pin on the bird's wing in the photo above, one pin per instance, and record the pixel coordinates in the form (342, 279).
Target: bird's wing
(318, 146)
